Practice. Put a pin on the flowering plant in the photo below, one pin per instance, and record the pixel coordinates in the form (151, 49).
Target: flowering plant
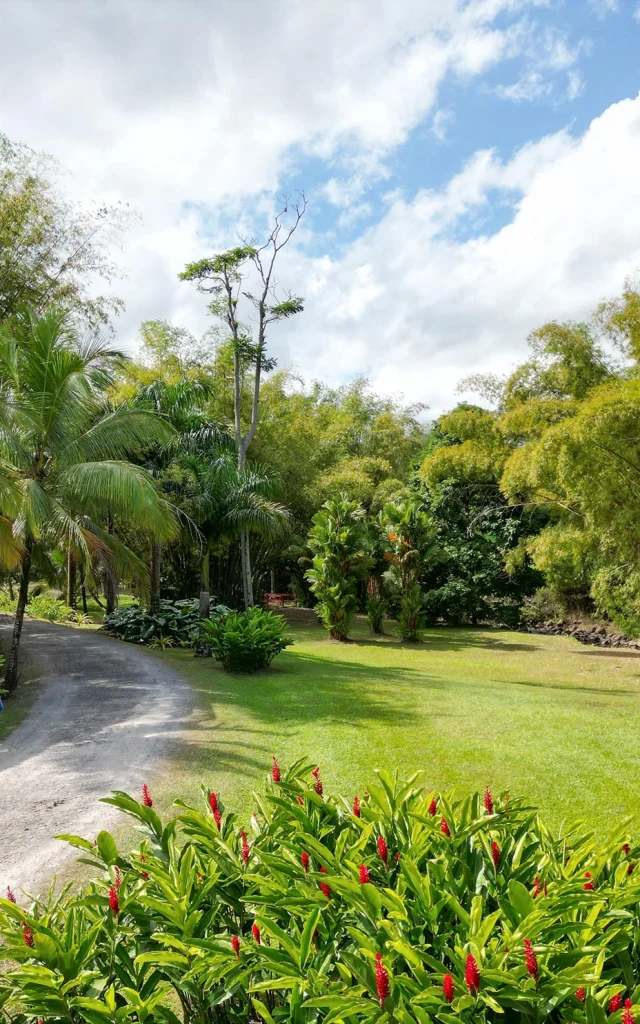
(320, 914)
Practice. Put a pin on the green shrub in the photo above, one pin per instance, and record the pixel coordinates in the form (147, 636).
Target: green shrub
(322, 915)
(246, 641)
(178, 621)
(50, 608)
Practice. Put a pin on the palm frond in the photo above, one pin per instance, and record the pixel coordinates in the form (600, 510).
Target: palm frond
(122, 489)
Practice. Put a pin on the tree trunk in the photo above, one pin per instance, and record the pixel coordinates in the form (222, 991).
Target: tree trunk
(156, 560)
(11, 593)
(11, 675)
(247, 583)
(71, 578)
(83, 590)
(109, 581)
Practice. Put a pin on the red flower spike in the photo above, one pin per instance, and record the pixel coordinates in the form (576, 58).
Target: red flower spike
(146, 796)
(316, 772)
(246, 852)
(588, 885)
(397, 858)
(383, 851)
(275, 770)
(28, 935)
(144, 873)
(300, 801)
(472, 975)
(495, 855)
(614, 1003)
(488, 801)
(255, 931)
(10, 895)
(630, 869)
(213, 802)
(628, 1016)
(448, 988)
(433, 807)
(537, 888)
(382, 979)
(217, 817)
(318, 785)
(324, 888)
(364, 874)
(304, 860)
(235, 945)
(118, 881)
(444, 828)
(356, 806)
(531, 960)
(114, 902)
(626, 848)
(580, 995)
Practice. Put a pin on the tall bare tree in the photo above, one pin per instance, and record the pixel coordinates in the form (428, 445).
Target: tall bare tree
(248, 272)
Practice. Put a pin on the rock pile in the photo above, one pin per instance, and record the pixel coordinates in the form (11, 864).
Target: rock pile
(598, 636)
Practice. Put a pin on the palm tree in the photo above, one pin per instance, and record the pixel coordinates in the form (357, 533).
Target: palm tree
(64, 456)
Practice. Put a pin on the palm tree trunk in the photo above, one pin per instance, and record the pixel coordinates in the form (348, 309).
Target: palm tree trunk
(109, 581)
(83, 590)
(156, 559)
(11, 675)
(71, 578)
(247, 582)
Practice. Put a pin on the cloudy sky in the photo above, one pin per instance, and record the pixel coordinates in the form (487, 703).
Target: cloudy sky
(472, 166)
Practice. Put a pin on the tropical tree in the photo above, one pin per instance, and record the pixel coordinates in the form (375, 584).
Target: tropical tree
(338, 541)
(409, 535)
(248, 272)
(65, 459)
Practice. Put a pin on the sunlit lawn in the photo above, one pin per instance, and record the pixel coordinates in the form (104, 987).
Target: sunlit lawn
(544, 717)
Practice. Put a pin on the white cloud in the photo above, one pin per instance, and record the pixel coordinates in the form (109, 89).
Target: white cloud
(530, 86)
(575, 85)
(422, 309)
(442, 121)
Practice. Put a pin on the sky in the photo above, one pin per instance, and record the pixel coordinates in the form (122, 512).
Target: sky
(472, 167)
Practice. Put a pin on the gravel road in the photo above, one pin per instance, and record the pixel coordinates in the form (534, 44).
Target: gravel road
(105, 715)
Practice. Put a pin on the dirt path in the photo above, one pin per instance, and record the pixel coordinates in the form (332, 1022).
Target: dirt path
(105, 715)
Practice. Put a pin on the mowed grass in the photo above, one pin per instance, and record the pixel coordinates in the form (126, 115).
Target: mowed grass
(545, 718)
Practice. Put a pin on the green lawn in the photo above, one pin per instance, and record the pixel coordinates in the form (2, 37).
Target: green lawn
(544, 717)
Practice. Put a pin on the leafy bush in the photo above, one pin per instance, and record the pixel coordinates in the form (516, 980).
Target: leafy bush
(177, 620)
(246, 641)
(50, 608)
(406, 907)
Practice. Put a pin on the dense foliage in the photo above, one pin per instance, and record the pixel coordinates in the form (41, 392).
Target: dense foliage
(177, 621)
(399, 905)
(338, 541)
(246, 641)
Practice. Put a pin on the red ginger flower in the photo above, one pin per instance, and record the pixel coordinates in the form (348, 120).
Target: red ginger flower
(275, 770)
(588, 885)
(444, 828)
(382, 979)
(364, 874)
(628, 1016)
(383, 850)
(10, 895)
(488, 801)
(614, 1003)
(118, 881)
(448, 988)
(235, 945)
(531, 960)
(255, 931)
(472, 975)
(304, 859)
(433, 807)
(217, 817)
(213, 802)
(630, 868)
(626, 848)
(28, 935)
(324, 888)
(580, 995)
(144, 873)
(318, 785)
(146, 796)
(246, 853)
(537, 888)
(300, 801)
(356, 806)
(114, 902)
(495, 855)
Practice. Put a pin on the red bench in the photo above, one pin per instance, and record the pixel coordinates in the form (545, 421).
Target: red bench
(278, 599)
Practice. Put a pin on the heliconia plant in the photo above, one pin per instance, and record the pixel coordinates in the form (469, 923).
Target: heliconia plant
(309, 923)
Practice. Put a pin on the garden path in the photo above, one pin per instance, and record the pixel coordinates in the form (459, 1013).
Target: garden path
(105, 715)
